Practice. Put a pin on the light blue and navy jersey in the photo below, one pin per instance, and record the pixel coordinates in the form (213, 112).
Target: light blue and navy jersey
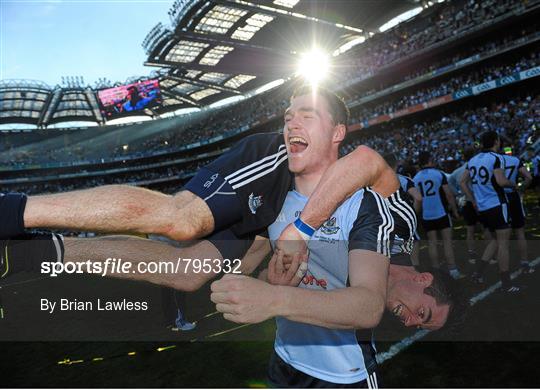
(405, 182)
(512, 165)
(455, 178)
(430, 181)
(487, 192)
(361, 222)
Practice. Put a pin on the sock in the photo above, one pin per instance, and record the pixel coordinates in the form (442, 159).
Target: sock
(12, 207)
(28, 251)
(505, 279)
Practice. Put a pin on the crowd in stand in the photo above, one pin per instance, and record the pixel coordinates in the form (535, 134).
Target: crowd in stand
(448, 21)
(466, 80)
(446, 138)
(516, 120)
(381, 50)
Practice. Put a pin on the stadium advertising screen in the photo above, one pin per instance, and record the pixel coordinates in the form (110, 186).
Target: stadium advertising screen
(127, 99)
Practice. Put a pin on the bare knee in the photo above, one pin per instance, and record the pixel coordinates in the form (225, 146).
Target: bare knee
(190, 218)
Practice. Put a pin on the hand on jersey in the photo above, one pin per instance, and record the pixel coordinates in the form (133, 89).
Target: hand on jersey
(245, 300)
(290, 242)
(279, 275)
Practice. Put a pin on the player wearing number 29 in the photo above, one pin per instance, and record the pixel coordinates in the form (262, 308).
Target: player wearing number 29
(436, 197)
(486, 175)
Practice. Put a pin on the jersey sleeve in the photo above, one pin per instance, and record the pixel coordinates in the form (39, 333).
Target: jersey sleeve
(410, 184)
(497, 162)
(444, 180)
(373, 226)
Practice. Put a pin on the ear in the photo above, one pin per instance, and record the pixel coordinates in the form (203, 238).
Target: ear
(424, 278)
(340, 131)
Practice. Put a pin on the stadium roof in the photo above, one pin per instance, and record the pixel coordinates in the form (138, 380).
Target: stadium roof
(214, 49)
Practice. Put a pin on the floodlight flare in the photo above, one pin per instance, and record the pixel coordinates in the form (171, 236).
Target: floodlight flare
(313, 66)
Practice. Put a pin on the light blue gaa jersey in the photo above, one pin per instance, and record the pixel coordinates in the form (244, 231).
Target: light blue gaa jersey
(512, 165)
(430, 181)
(405, 183)
(361, 222)
(487, 192)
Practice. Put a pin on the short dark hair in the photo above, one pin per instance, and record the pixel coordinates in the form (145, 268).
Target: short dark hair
(391, 159)
(489, 138)
(424, 158)
(336, 105)
(446, 291)
(468, 153)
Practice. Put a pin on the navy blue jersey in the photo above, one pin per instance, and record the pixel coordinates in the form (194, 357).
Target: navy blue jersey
(487, 192)
(430, 181)
(512, 165)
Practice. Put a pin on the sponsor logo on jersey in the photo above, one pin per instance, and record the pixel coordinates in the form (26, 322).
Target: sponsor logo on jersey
(254, 202)
(311, 280)
(213, 178)
(329, 227)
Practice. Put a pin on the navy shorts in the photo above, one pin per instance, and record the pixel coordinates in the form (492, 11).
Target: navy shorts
(495, 218)
(218, 195)
(515, 210)
(283, 375)
(437, 224)
(469, 214)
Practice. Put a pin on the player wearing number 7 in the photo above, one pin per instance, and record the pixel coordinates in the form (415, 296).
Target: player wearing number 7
(486, 175)
(436, 197)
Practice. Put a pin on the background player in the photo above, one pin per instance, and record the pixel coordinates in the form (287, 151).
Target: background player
(486, 175)
(436, 196)
(513, 169)
(469, 213)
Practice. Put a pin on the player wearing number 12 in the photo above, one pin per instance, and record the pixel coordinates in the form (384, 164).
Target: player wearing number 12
(436, 197)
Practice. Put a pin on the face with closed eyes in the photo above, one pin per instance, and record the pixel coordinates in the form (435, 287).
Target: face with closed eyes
(311, 137)
(407, 301)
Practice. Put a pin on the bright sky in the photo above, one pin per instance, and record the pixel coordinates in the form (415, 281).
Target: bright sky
(44, 40)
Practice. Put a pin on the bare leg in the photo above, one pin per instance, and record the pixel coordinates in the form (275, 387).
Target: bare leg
(448, 249)
(522, 245)
(432, 248)
(415, 254)
(471, 245)
(491, 247)
(138, 250)
(122, 209)
(503, 254)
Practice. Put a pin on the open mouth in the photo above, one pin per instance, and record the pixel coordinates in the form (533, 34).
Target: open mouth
(398, 312)
(297, 144)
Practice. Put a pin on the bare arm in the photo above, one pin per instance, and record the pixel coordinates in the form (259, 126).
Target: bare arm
(363, 167)
(501, 178)
(122, 209)
(525, 174)
(417, 199)
(139, 250)
(451, 199)
(248, 300)
(464, 184)
(359, 307)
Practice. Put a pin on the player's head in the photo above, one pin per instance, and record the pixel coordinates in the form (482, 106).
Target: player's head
(391, 160)
(315, 125)
(490, 140)
(468, 154)
(424, 158)
(424, 300)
